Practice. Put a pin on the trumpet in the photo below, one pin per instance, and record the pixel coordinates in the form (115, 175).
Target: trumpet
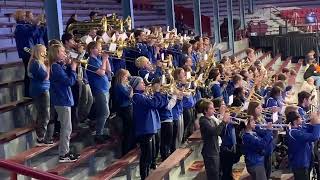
(234, 120)
(278, 127)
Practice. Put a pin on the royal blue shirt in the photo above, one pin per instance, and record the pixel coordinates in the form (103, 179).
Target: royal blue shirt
(216, 90)
(97, 83)
(254, 147)
(122, 95)
(302, 113)
(152, 75)
(38, 83)
(299, 145)
(145, 115)
(177, 110)
(61, 80)
(228, 136)
(24, 35)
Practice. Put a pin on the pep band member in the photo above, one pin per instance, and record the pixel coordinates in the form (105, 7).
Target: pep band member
(62, 77)
(145, 118)
(98, 69)
(39, 71)
(254, 145)
(299, 140)
(210, 131)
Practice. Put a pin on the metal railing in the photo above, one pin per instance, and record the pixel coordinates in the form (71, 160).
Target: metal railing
(16, 169)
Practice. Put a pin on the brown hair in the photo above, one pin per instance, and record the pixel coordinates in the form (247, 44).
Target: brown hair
(91, 46)
(249, 50)
(252, 108)
(176, 73)
(205, 105)
(20, 15)
(119, 75)
(185, 47)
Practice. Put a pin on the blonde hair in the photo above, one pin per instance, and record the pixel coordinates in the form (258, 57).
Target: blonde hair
(20, 15)
(53, 52)
(141, 61)
(38, 54)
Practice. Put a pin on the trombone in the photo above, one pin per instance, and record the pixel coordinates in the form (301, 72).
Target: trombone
(277, 127)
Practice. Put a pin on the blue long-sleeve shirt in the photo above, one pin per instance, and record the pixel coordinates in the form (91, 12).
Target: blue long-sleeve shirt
(228, 136)
(145, 115)
(38, 83)
(122, 95)
(177, 110)
(299, 145)
(216, 90)
(61, 80)
(254, 147)
(151, 75)
(24, 35)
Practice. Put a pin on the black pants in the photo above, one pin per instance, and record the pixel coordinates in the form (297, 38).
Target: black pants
(42, 105)
(267, 165)
(26, 77)
(226, 161)
(188, 118)
(174, 136)
(257, 172)
(166, 139)
(145, 142)
(128, 142)
(301, 174)
(155, 149)
(212, 165)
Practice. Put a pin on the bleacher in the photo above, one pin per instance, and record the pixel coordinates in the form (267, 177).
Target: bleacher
(17, 135)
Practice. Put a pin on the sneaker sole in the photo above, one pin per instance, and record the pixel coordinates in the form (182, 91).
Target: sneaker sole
(67, 161)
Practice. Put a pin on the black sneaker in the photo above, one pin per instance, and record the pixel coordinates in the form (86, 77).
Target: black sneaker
(40, 142)
(67, 158)
(75, 155)
(48, 142)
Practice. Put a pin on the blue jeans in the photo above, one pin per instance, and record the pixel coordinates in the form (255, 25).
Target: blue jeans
(317, 80)
(101, 109)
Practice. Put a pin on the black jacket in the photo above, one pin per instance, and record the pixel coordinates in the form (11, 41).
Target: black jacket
(311, 71)
(210, 131)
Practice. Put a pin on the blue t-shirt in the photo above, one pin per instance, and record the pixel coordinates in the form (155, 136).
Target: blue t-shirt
(97, 83)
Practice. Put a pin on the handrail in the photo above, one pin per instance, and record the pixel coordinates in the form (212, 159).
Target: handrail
(27, 171)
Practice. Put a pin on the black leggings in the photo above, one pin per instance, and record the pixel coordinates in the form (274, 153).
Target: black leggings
(145, 142)
(188, 118)
(226, 163)
(174, 136)
(166, 139)
(26, 77)
(128, 142)
(155, 148)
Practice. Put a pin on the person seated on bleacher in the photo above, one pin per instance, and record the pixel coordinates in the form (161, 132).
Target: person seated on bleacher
(312, 71)
(309, 87)
(92, 35)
